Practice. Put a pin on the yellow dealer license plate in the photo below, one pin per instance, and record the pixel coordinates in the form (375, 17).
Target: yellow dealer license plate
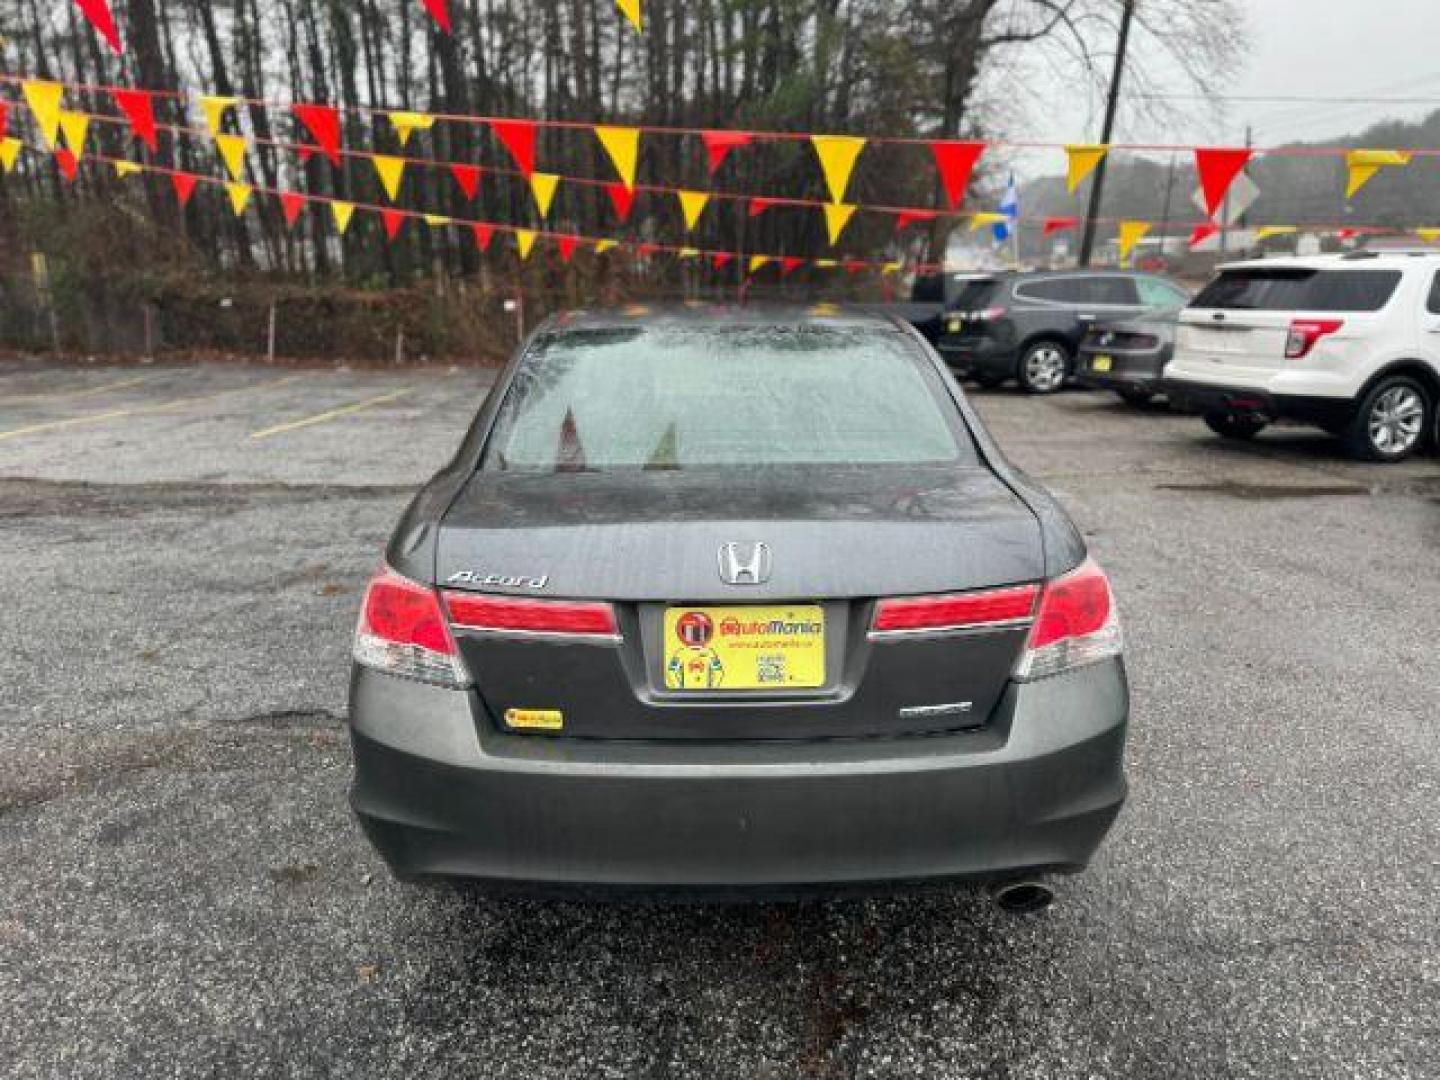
(778, 647)
(1101, 363)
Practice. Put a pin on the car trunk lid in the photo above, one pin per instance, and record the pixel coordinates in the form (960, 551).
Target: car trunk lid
(838, 538)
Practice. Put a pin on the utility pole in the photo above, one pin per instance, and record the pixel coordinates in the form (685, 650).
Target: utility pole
(1087, 243)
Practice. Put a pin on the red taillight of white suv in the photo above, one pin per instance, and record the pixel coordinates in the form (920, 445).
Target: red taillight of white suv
(403, 631)
(1304, 333)
(1075, 624)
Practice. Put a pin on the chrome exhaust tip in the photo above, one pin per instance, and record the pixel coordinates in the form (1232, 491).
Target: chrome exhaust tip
(1024, 897)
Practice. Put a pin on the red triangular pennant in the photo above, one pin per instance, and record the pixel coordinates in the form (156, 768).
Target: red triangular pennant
(1218, 168)
(718, 145)
(721, 259)
(622, 199)
(483, 234)
(956, 161)
(65, 159)
(323, 123)
(1347, 234)
(184, 185)
(139, 109)
(759, 205)
(468, 177)
(906, 218)
(1058, 224)
(393, 220)
(98, 12)
(853, 266)
(1201, 233)
(4, 112)
(291, 203)
(519, 138)
(439, 11)
(566, 244)
(646, 249)
(789, 263)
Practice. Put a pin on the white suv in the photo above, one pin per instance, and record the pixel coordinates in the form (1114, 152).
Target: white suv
(1350, 343)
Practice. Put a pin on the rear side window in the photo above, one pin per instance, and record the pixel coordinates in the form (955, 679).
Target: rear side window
(1160, 294)
(679, 398)
(1111, 290)
(1055, 290)
(1299, 289)
(1433, 304)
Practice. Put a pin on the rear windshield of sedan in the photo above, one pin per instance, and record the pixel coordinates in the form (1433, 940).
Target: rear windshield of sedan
(678, 398)
(1299, 289)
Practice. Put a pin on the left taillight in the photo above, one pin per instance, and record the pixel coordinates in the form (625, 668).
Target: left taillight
(403, 631)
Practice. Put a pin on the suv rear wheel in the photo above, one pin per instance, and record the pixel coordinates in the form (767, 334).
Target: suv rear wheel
(1390, 422)
(1232, 425)
(1043, 367)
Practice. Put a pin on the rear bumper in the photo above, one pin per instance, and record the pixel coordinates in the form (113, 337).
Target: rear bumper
(1203, 398)
(1128, 370)
(439, 791)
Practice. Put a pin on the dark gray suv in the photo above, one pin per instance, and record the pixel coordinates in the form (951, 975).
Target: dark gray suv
(728, 600)
(1028, 326)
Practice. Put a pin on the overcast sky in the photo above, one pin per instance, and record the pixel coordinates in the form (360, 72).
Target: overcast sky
(1307, 48)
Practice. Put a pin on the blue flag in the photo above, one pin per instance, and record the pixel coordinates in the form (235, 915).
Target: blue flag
(1010, 207)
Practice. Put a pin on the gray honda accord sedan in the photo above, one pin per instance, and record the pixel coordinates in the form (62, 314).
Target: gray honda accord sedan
(745, 600)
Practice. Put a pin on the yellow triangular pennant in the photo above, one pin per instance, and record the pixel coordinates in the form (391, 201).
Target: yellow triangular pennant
(524, 241)
(407, 123)
(1081, 159)
(391, 171)
(986, 217)
(232, 152)
(837, 216)
(1131, 233)
(542, 186)
(9, 151)
(759, 261)
(837, 154)
(44, 101)
(631, 10)
(688, 253)
(623, 146)
(1361, 165)
(891, 268)
(127, 168)
(692, 205)
(826, 264)
(1267, 231)
(239, 197)
(74, 125)
(214, 109)
(342, 212)
(436, 221)
(1428, 235)
(602, 246)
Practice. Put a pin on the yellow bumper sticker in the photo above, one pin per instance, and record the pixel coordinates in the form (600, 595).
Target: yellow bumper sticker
(535, 719)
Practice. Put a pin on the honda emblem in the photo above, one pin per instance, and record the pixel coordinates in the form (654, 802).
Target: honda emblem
(745, 564)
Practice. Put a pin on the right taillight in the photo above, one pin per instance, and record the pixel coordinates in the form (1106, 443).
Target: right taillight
(1304, 333)
(1075, 624)
(402, 631)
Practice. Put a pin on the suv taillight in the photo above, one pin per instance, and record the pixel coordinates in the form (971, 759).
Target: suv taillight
(402, 631)
(1304, 333)
(1076, 624)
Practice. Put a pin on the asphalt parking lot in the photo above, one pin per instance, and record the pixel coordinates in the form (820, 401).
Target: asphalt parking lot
(184, 892)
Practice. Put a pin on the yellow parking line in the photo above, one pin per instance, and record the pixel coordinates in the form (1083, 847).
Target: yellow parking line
(138, 410)
(53, 395)
(320, 418)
